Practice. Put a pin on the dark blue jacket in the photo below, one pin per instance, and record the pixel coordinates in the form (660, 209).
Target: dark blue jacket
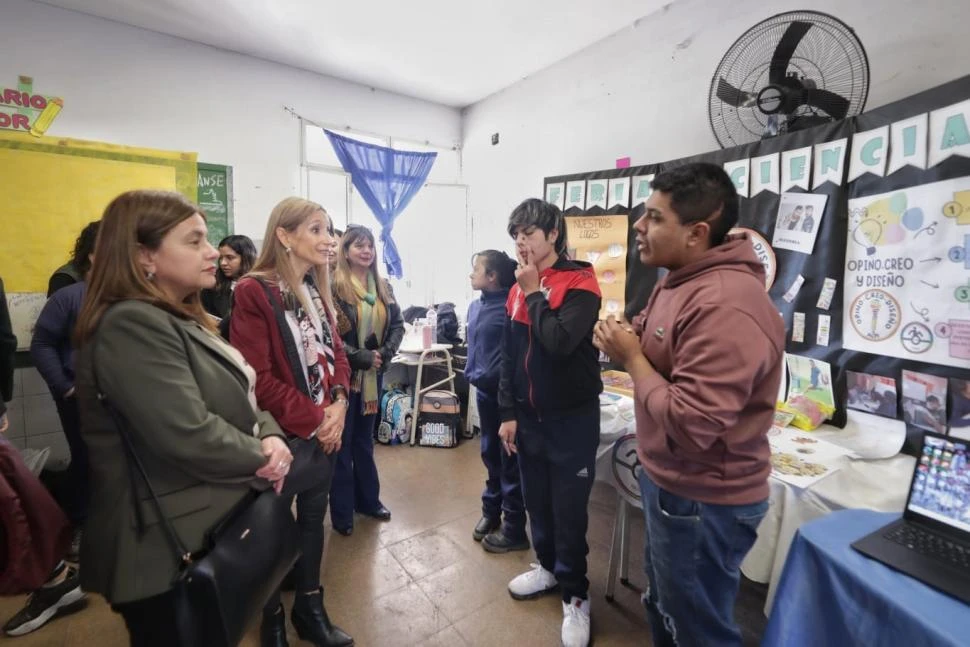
(51, 348)
(486, 324)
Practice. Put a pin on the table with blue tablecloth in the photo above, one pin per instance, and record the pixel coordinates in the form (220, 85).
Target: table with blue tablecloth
(829, 594)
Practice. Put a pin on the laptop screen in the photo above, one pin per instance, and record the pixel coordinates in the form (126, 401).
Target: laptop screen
(941, 486)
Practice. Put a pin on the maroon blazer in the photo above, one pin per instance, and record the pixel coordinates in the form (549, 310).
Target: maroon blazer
(280, 390)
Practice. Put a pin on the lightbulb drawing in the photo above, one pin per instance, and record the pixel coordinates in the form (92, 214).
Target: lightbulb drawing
(615, 250)
(591, 256)
(867, 234)
(876, 306)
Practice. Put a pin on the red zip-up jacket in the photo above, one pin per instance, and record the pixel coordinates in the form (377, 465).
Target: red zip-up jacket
(280, 389)
(549, 364)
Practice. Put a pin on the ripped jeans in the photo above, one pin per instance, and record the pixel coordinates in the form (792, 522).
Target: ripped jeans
(692, 560)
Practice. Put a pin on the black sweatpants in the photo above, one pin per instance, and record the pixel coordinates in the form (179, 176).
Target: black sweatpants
(557, 461)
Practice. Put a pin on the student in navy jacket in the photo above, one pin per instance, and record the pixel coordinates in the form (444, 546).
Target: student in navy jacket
(549, 404)
(494, 275)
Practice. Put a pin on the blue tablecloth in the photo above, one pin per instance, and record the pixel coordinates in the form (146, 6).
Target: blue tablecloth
(829, 594)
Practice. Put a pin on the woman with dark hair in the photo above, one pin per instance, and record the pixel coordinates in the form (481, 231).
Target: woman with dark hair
(53, 354)
(146, 346)
(77, 268)
(370, 323)
(237, 254)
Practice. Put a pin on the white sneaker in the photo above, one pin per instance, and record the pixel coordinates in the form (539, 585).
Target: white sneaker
(532, 584)
(575, 623)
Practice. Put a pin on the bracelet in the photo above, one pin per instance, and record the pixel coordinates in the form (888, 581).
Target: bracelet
(342, 401)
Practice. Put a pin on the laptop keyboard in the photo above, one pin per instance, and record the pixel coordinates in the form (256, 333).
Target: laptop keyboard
(931, 545)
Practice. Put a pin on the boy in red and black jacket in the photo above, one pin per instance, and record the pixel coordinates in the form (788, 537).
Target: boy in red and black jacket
(549, 404)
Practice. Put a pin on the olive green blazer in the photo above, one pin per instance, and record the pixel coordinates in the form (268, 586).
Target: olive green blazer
(185, 402)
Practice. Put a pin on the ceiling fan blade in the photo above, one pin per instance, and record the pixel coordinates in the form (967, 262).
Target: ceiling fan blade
(730, 94)
(786, 47)
(833, 104)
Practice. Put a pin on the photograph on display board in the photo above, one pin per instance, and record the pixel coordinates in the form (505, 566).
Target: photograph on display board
(872, 394)
(960, 408)
(811, 378)
(924, 401)
(798, 220)
(907, 274)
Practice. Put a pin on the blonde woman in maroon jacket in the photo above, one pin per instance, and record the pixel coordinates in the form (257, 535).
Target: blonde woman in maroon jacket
(705, 357)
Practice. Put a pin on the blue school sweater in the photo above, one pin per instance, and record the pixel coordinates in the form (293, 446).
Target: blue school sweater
(486, 322)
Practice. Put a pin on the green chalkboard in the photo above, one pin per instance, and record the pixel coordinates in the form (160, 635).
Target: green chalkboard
(215, 198)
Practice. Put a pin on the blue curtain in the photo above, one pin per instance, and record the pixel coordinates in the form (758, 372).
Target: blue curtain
(387, 179)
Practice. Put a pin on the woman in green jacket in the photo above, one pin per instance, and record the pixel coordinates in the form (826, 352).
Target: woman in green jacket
(186, 396)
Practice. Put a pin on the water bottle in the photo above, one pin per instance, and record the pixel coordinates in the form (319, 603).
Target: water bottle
(433, 323)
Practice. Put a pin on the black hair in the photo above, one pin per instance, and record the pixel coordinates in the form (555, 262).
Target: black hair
(697, 191)
(500, 264)
(243, 246)
(84, 247)
(932, 398)
(544, 215)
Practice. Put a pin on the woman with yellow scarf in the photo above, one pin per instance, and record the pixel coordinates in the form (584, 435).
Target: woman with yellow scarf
(370, 324)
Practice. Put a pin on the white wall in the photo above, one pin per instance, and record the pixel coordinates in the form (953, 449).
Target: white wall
(643, 92)
(130, 86)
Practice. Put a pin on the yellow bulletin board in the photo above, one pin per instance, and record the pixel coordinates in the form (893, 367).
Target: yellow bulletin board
(51, 188)
(602, 241)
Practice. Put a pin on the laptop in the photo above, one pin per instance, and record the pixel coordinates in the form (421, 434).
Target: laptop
(931, 542)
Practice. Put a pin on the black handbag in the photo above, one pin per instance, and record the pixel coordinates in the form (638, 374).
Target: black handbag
(222, 587)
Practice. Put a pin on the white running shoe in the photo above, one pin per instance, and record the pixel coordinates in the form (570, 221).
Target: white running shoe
(532, 584)
(575, 623)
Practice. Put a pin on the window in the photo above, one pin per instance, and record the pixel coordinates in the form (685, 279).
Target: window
(432, 234)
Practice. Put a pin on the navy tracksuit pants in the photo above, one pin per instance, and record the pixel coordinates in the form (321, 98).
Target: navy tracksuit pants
(557, 461)
(503, 489)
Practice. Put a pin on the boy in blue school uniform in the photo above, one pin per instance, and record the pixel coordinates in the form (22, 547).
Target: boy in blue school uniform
(549, 405)
(494, 275)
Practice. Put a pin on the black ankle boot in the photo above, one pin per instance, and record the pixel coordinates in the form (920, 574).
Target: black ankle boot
(272, 632)
(312, 623)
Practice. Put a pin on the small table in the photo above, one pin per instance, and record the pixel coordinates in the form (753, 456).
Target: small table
(436, 354)
(829, 594)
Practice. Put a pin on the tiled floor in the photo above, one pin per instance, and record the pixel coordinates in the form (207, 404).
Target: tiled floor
(420, 579)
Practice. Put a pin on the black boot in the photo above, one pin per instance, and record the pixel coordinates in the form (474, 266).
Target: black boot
(312, 623)
(272, 632)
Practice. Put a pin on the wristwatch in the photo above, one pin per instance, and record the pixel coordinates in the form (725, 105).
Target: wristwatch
(338, 392)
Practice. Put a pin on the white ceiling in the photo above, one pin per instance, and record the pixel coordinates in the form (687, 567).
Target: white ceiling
(452, 52)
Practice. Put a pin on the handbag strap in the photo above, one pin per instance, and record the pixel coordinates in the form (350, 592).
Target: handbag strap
(136, 467)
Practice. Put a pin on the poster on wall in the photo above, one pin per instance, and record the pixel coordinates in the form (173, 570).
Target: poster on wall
(907, 274)
(797, 223)
(575, 195)
(556, 194)
(601, 241)
(596, 194)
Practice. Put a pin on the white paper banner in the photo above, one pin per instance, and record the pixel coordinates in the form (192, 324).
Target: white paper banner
(596, 194)
(796, 166)
(619, 192)
(575, 194)
(869, 153)
(739, 175)
(765, 174)
(949, 133)
(829, 162)
(556, 194)
(908, 143)
(641, 189)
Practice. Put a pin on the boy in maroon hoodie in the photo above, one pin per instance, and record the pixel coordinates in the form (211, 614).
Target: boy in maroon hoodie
(705, 356)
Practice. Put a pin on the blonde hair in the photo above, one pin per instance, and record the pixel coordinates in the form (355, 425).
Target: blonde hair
(274, 263)
(342, 280)
(133, 220)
